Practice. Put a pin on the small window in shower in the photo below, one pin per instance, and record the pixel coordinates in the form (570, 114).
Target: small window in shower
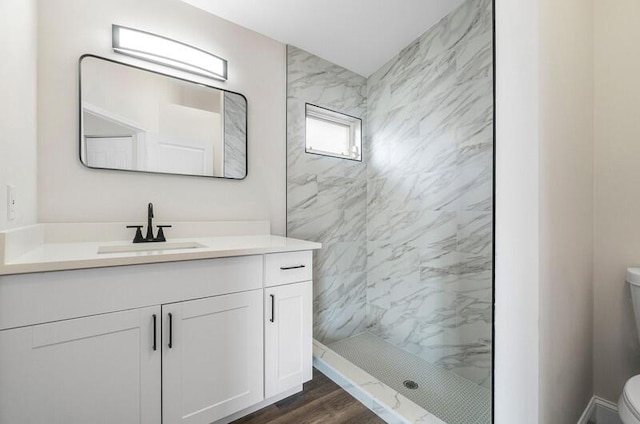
(332, 133)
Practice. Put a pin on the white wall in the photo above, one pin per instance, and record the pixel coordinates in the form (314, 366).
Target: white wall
(516, 234)
(68, 192)
(566, 209)
(544, 211)
(617, 191)
(18, 144)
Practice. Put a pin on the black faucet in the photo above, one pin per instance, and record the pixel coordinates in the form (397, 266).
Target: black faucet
(150, 222)
(149, 238)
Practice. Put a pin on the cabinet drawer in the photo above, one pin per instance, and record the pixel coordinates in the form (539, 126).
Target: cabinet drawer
(285, 268)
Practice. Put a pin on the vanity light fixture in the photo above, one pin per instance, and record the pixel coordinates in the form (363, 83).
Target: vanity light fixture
(168, 52)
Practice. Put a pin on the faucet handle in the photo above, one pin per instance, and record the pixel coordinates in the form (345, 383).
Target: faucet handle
(160, 236)
(138, 237)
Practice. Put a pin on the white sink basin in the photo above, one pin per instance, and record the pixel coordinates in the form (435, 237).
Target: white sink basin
(149, 247)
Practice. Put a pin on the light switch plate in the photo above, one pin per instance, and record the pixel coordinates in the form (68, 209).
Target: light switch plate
(11, 202)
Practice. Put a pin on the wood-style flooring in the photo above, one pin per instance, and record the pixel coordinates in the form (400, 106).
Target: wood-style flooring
(321, 402)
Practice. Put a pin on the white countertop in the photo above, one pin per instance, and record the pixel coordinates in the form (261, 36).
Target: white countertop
(59, 256)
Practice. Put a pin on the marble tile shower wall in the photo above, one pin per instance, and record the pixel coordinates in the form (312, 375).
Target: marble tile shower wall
(429, 195)
(407, 233)
(326, 197)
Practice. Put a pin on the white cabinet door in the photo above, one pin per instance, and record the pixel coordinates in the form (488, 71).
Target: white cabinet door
(288, 337)
(212, 357)
(98, 369)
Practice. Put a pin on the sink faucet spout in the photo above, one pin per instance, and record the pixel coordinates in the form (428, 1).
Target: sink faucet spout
(150, 223)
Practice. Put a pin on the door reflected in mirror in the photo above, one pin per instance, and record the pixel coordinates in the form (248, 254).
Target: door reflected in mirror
(139, 120)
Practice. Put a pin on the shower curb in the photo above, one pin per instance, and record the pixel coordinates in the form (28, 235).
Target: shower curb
(384, 401)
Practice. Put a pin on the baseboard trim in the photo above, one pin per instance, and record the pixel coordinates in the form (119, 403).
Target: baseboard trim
(598, 404)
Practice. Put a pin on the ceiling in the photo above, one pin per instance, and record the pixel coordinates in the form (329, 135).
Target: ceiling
(360, 35)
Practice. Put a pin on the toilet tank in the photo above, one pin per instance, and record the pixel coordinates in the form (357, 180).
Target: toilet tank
(633, 278)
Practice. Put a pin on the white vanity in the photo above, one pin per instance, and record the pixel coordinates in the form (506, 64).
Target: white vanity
(194, 335)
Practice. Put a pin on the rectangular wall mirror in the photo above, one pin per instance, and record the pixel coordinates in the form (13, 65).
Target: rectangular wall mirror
(134, 119)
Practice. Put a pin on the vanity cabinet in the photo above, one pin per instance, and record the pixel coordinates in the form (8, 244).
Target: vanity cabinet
(288, 338)
(212, 357)
(186, 342)
(97, 369)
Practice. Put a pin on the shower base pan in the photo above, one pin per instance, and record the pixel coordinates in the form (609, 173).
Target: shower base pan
(399, 386)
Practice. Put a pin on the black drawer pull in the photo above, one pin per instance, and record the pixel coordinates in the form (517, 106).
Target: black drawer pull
(286, 268)
(155, 332)
(170, 344)
(273, 308)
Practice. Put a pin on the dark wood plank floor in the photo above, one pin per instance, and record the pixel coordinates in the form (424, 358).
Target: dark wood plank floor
(321, 401)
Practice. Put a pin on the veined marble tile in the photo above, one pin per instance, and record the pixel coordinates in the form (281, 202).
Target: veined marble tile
(470, 264)
(402, 66)
(396, 125)
(440, 190)
(374, 315)
(317, 224)
(393, 192)
(317, 80)
(422, 154)
(341, 323)
(475, 188)
(396, 327)
(341, 258)
(379, 294)
(377, 157)
(447, 33)
(342, 192)
(475, 232)
(475, 57)
(471, 350)
(404, 155)
(478, 285)
(301, 163)
(378, 98)
(439, 265)
(461, 104)
(441, 72)
(426, 304)
(471, 310)
(425, 228)
(475, 145)
(340, 290)
(379, 225)
(438, 151)
(446, 348)
(388, 261)
(302, 191)
(326, 224)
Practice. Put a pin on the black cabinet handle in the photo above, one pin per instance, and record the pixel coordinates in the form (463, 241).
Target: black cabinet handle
(170, 331)
(273, 308)
(286, 268)
(155, 332)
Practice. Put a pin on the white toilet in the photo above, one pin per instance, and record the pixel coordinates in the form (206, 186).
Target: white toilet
(629, 402)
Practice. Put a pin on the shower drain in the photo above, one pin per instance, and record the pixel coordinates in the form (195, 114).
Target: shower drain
(410, 384)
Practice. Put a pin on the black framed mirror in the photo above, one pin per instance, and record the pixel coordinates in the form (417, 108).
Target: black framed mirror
(134, 119)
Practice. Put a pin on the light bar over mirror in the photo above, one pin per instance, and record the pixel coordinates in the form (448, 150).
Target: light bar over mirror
(168, 52)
